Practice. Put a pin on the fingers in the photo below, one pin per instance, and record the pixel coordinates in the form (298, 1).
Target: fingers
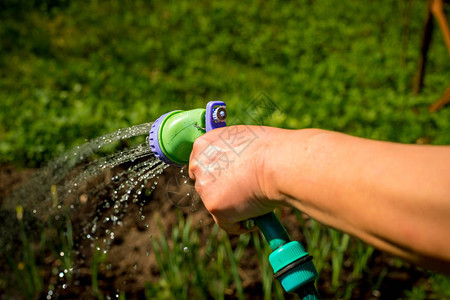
(192, 164)
(193, 160)
(199, 188)
(191, 172)
(212, 187)
(231, 228)
(223, 222)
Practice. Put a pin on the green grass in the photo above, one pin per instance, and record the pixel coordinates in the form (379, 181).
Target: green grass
(209, 271)
(84, 68)
(191, 270)
(26, 271)
(39, 240)
(98, 258)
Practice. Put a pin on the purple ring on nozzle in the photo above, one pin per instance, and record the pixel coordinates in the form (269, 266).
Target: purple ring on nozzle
(154, 140)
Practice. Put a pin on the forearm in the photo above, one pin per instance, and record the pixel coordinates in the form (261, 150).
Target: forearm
(395, 197)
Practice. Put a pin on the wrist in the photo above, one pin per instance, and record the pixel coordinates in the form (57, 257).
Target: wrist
(288, 164)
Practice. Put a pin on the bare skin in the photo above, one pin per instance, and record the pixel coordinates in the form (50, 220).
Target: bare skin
(395, 197)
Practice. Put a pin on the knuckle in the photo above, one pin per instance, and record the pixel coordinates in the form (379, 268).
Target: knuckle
(193, 168)
(199, 144)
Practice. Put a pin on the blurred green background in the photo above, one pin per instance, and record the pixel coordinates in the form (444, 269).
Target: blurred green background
(74, 70)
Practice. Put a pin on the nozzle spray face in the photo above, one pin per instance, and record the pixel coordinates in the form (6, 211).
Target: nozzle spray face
(173, 134)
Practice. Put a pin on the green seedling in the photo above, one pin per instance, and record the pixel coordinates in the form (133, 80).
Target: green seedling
(189, 269)
(339, 244)
(98, 258)
(27, 274)
(360, 256)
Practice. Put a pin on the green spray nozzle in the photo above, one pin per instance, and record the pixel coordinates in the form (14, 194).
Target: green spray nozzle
(171, 139)
(173, 134)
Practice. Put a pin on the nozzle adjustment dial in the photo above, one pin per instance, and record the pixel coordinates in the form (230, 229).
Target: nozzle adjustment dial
(220, 114)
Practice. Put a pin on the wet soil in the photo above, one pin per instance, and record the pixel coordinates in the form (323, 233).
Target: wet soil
(131, 263)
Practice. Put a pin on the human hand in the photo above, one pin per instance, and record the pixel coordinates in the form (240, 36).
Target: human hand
(229, 168)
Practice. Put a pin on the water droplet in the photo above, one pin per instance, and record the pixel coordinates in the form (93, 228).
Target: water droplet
(186, 249)
(61, 274)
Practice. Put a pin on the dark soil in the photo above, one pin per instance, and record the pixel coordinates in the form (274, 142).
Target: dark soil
(132, 264)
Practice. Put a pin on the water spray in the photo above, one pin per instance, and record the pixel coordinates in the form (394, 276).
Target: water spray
(171, 139)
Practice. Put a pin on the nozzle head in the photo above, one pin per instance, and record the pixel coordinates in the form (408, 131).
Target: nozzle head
(153, 138)
(173, 134)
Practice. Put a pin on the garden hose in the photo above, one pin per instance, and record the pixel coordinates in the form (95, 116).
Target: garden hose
(171, 139)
